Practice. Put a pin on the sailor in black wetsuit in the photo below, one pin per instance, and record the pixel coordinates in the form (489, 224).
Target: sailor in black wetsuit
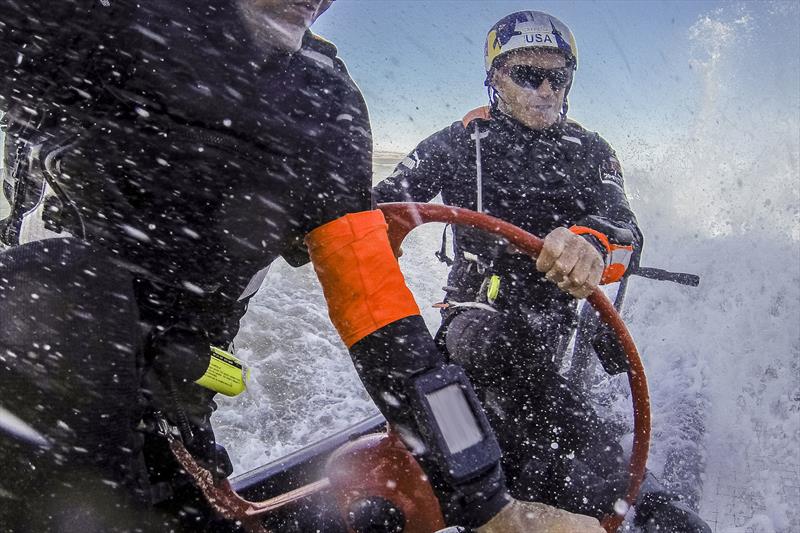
(522, 160)
(164, 154)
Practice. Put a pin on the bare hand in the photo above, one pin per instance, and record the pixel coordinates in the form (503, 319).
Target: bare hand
(571, 262)
(527, 517)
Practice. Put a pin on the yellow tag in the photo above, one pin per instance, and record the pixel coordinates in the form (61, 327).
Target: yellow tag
(225, 374)
(493, 289)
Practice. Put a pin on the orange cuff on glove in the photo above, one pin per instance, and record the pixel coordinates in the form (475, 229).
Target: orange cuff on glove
(360, 276)
(618, 256)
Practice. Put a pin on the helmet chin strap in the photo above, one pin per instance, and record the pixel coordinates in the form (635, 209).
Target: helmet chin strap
(564, 108)
(565, 105)
(494, 96)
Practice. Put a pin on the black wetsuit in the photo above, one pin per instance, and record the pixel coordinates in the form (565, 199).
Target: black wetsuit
(178, 161)
(556, 449)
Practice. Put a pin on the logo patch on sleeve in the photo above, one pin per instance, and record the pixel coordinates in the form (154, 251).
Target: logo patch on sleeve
(611, 172)
(612, 165)
(411, 161)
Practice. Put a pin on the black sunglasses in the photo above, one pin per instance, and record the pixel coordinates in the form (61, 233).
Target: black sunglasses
(532, 77)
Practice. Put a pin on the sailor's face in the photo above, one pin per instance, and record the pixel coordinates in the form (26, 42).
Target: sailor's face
(285, 20)
(536, 106)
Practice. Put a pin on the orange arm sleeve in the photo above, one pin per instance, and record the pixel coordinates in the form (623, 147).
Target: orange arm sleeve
(360, 276)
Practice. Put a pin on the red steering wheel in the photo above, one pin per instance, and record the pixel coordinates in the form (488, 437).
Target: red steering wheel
(404, 217)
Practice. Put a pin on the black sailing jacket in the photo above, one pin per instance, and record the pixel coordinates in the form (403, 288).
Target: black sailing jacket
(535, 179)
(158, 132)
(179, 146)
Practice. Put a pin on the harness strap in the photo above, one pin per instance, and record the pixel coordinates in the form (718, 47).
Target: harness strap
(483, 113)
(441, 255)
(478, 169)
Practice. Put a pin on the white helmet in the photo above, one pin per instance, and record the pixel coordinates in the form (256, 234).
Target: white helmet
(529, 29)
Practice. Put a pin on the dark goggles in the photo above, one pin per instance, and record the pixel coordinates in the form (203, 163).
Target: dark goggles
(532, 77)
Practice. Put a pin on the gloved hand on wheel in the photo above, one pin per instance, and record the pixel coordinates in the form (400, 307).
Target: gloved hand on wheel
(571, 262)
(528, 517)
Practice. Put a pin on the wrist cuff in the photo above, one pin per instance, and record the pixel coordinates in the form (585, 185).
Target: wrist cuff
(477, 502)
(617, 257)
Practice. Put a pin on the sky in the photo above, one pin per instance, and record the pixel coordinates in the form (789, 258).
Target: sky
(420, 62)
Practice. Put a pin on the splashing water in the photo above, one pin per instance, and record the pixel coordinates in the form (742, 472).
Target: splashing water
(722, 359)
(721, 200)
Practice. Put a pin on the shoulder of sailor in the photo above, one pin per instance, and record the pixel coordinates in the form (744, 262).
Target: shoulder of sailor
(591, 141)
(322, 53)
(599, 154)
(475, 122)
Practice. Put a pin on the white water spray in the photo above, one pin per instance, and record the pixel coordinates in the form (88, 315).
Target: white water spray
(722, 201)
